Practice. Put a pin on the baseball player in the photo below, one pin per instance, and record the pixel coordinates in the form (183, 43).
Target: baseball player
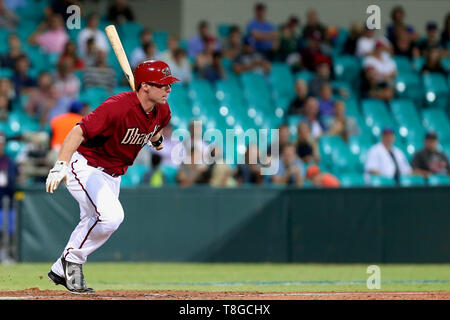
(94, 155)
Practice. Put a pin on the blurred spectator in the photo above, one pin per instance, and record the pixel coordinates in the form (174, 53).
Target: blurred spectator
(290, 168)
(431, 40)
(154, 176)
(50, 37)
(7, 91)
(306, 146)
(8, 171)
(221, 172)
(4, 108)
(56, 105)
(215, 71)
(8, 19)
(250, 171)
(312, 54)
(321, 76)
(168, 55)
(90, 56)
(313, 26)
(138, 54)
(366, 43)
(9, 58)
(430, 161)
(233, 43)
(197, 43)
(355, 33)
(250, 60)
(385, 159)
(301, 93)
(180, 66)
(60, 7)
(195, 140)
(398, 17)
(372, 88)
(92, 31)
(100, 75)
(326, 102)
(433, 61)
(70, 52)
(23, 83)
(262, 34)
(190, 172)
(445, 35)
(312, 117)
(150, 52)
(289, 43)
(40, 97)
(321, 179)
(284, 137)
(67, 83)
(14, 4)
(404, 46)
(341, 125)
(120, 12)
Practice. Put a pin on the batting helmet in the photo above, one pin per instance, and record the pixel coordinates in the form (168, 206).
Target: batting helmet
(153, 71)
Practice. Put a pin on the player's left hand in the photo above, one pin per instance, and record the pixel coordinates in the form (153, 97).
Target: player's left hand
(56, 175)
(158, 143)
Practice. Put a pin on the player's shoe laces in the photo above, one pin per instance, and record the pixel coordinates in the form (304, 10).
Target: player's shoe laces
(74, 278)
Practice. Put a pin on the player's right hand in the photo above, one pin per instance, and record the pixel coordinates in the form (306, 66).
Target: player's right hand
(56, 175)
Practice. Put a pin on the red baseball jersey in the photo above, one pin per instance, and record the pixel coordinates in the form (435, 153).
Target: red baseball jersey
(116, 131)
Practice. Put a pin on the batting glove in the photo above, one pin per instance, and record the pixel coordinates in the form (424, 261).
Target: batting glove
(56, 175)
(158, 143)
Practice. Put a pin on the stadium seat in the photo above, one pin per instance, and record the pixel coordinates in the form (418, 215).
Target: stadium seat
(133, 176)
(282, 83)
(6, 73)
(342, 89)
(13, 148)
(94, 96)
(408, 85)
(379, 181)
(223, 29)
(403, 64)
(418, 63)
(160, 39)
(436, 91)
(413, 180)
(347, 68)
(304, 75)
(439, 180)
(376, 116)
(129, 29)
(336, 156)
(359, 146)
(352, 180)
(446, 64)
(437, 120)
(170, 174)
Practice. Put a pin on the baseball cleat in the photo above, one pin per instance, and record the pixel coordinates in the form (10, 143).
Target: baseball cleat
(74, 278)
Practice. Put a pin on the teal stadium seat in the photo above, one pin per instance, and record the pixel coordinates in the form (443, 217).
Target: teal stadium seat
(359, 146)
(352, 180)
(403, 64)
(258, 95)
(439, 180)
(408, 85)
(347, 68)
(133, 176)
(379, 181)
(223, 29)
(170, 174)
(342, 89)
(160, 39)
(411, 181)
(436, 90)
(13, 148)
(336, 156)
(376, 116)
(6, 73)
(437, 120)
(282, 83)
(94, 96)
(129, 29)
(304, 75)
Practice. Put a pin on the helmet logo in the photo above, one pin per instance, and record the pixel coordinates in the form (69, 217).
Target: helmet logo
(166, 71)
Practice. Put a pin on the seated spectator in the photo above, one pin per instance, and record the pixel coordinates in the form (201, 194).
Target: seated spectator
(433, 61)
(372, 88)
(215, 71)
(306, 146)
(430, 161)
(90, 56)
(168, 55)
(262, 34)
(221, 172)
(51, 37)
(321, 77)
(404, 46)
(290, 168)
(8, 171)
(233, 43)
(120, 12)
(138, 54)
(341, 125)
(92, 31)
(445, 35)
(431, 40)
(180, 66)
(70, 52)
(355, 33)
(60, 7)
(9, 58)
(284, 138)
(193, 171)
(56, 105)
(195, 139)
(8, 19)
(312, 54)
(7, 91)
(23, 83)
(40, 96)
(100, 75)
(66, 81)
(366, 43)
(150, 52)
(321, 179)
(313, 26)
(154, 176)
(397, 17)
(250, 171)
(197, 43)
(289, 43)
(250, 60)
(301, 93)
(326, 101)
(385, 159)
(312, 117)
(4, 108)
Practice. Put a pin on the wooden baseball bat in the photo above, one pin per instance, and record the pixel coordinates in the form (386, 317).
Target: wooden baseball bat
(116, 44)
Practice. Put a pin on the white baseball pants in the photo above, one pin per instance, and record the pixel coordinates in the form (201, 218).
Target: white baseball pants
(100, 210)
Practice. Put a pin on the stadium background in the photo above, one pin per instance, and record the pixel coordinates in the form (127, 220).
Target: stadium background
(362, 222)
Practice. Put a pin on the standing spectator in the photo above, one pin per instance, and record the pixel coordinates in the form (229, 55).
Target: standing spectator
(180, 66)
(197, 43)
(250, 60)
(120, 12)
(8, 171)
(326, 102)
(430, 161)
(313, 25)
(301, 93)
(321, 77)
(67, 83)
(445, 35)
(100, 75)
(92, 31)
(306, 146)
(433, 61)
(290, 168)
(398, 17)
(432, 38)
(356, 32)
(366, 43)
(262, 33)
(341, 125)
(312, 117)
(50, 38)
(250, 171)
(233, 43)
(70, 52)
(138, 54)
(321, 179)
(23, 83)
(386, 160)
(8, 19)
(9, 58)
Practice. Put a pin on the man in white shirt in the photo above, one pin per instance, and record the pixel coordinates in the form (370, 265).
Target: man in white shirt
(386, 160)
(92, 31)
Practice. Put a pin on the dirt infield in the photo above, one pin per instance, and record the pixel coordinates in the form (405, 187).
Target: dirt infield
(37, 294)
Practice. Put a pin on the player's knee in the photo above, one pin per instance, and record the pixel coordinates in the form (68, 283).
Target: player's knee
(112, 221)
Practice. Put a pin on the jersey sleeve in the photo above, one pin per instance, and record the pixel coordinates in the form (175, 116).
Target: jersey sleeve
(101, 121)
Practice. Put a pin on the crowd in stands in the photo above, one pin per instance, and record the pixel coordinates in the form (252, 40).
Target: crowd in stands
(54, 96)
